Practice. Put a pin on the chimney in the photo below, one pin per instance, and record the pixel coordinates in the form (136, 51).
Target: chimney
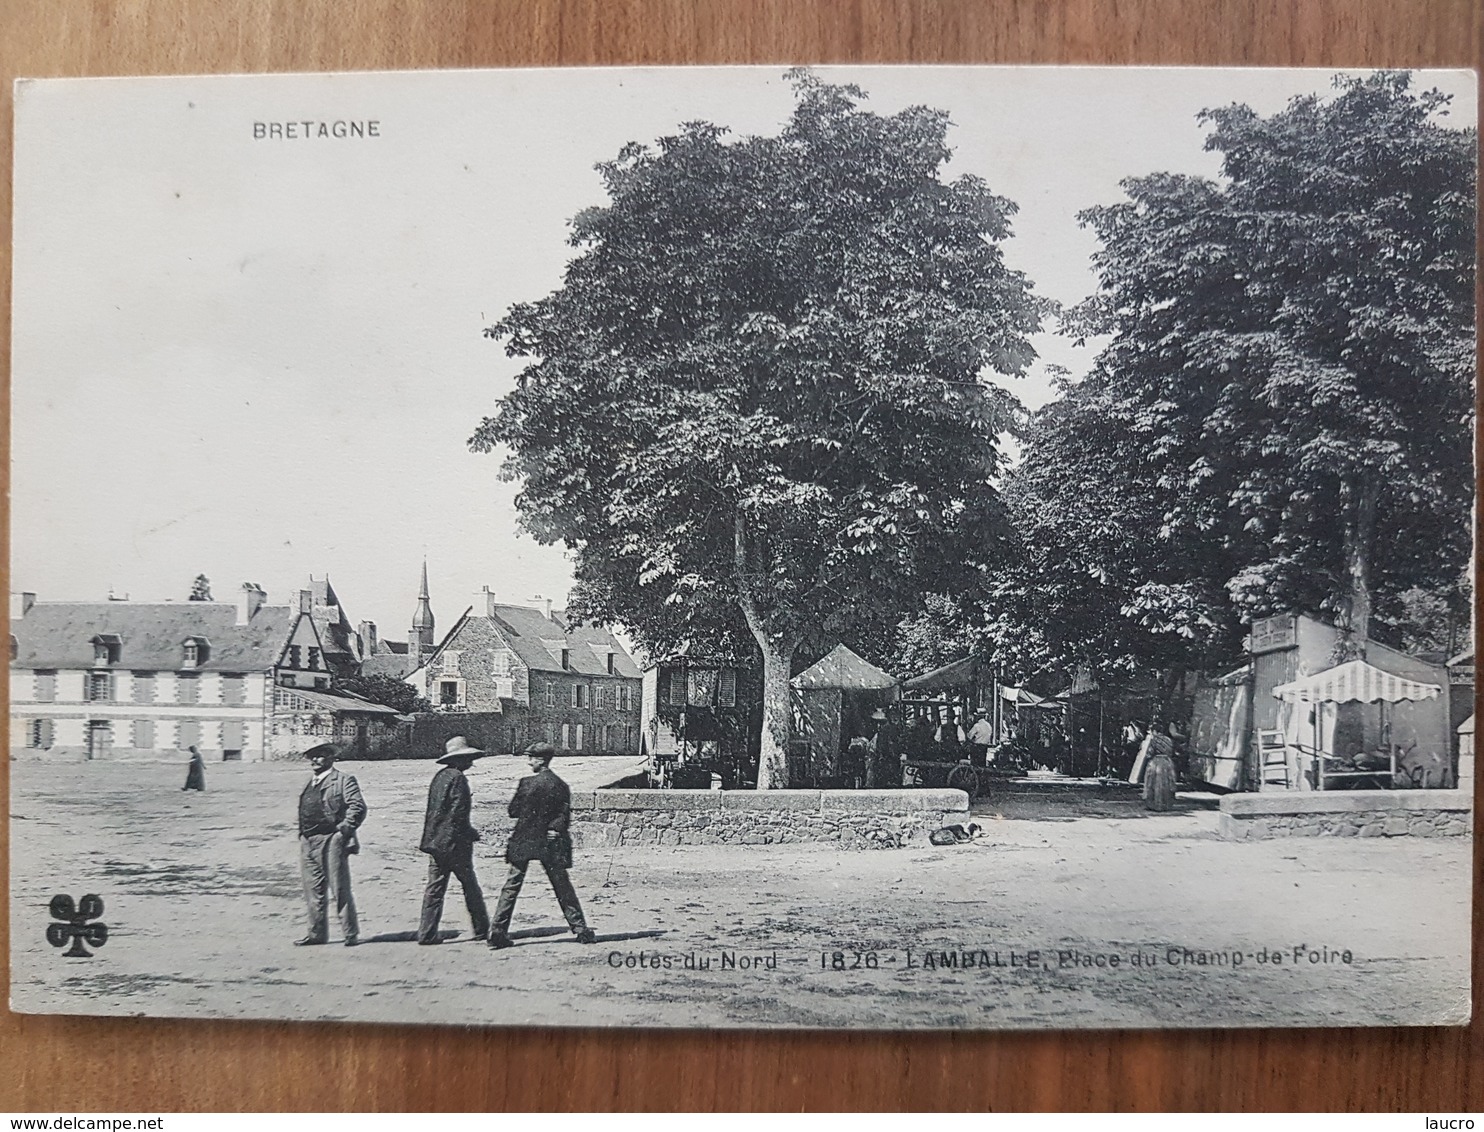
(20, 605)
(306, 601)
(484, 602)
(249, 601)
(368, 638)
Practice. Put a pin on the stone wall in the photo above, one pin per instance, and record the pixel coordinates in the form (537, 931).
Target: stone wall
(851, 819)
(1347, 813)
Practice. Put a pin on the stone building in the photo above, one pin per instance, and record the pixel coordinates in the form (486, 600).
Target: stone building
(543, 678)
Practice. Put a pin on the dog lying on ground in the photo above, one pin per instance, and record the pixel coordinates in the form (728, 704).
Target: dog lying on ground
(955, 834)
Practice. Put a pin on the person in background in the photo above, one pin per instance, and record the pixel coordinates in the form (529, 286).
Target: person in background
(449, 839)
(981, 738)
(331, 809)
(196, 772)
(882, 768)
(542, 809)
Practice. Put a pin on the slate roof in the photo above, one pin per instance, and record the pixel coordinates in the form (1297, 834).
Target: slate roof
(59, 634)
(844, 669)
(538, 641)
(387, 664)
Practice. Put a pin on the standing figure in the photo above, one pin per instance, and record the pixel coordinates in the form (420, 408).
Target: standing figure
(882, 768)
(981, 738)
(196, 774)
(330, 811)
(542, 809)
(449, 839)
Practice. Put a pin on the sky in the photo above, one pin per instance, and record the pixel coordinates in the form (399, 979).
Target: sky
(261, 359)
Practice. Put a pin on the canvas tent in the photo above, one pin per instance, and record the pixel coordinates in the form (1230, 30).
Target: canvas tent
(1356, 707)
(834, 698)
(1354, 681)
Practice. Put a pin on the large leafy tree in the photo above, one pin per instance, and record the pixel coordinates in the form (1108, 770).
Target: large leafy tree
(1284, 411)
(759, 395)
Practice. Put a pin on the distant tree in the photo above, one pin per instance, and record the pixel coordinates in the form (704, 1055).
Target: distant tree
(1097, 581)
(201, 589)
(1283, 418)
(387, 690)
(760, 388)
(945, 630)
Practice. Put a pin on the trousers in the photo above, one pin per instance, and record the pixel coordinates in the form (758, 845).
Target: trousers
(461, 865)
(324, 867)
(561, 884)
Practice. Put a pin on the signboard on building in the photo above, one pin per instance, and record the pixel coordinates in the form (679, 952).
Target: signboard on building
(1273, 633)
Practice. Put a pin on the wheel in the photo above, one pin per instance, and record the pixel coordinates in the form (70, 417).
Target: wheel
(964, 778)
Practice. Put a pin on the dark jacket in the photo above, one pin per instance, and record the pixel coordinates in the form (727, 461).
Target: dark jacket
(343, 805)
(446, 830)
(542, 802)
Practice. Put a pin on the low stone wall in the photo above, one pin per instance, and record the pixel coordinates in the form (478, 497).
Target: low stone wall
(1347, 813)
(851, 819)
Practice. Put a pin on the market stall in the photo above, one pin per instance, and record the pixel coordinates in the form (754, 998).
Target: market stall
(1357, 730)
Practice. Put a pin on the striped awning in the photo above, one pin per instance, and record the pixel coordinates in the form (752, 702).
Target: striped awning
(1355, 680)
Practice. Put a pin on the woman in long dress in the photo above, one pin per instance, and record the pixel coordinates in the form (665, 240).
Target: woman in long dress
(196, 775)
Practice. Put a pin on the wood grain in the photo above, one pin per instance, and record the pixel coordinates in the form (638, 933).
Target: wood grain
(146, 1065)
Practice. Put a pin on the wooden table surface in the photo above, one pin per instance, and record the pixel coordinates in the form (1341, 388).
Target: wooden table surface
(143, 1065)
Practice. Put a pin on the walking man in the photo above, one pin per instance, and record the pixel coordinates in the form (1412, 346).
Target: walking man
(542, 809)
(330, 811)
(449, 839)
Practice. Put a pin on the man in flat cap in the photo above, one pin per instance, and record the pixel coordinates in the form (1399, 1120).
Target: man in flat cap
(448, 840)
(330, 811)
(542, 809)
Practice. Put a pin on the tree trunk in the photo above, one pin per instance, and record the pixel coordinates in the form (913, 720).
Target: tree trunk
(1358, 502)
(772, 763)
(778, 657)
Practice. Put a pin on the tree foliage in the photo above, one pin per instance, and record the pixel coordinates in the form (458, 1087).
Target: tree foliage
(1282, 419)
(759, 394)
(200, 589)
(386, 690)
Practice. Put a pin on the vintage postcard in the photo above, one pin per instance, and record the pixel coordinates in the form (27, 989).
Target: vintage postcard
(898, 547)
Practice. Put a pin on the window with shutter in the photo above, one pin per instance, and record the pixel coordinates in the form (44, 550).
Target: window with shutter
(144, 688)
(566, 734)
(232, 734)
(144, 734)
(550, 698)
(46, 686)
(187, 689)
(577, 738)
(234, 690)
(188, 733)
(572, 695)
(726, 693)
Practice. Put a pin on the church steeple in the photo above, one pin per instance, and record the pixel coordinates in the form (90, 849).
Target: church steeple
(420, 639)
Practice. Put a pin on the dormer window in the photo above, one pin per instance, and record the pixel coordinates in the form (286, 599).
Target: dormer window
(566, 660)
(106, 649)
(194, 652)
(610, 664)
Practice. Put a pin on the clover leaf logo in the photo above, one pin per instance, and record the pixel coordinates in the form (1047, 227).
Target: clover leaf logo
(75, 926)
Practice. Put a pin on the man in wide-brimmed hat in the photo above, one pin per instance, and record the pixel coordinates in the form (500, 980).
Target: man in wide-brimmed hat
(448, 840)
(331, 809)
(542, 809)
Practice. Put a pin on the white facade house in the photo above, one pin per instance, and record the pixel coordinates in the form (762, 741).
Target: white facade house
(122, 679)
